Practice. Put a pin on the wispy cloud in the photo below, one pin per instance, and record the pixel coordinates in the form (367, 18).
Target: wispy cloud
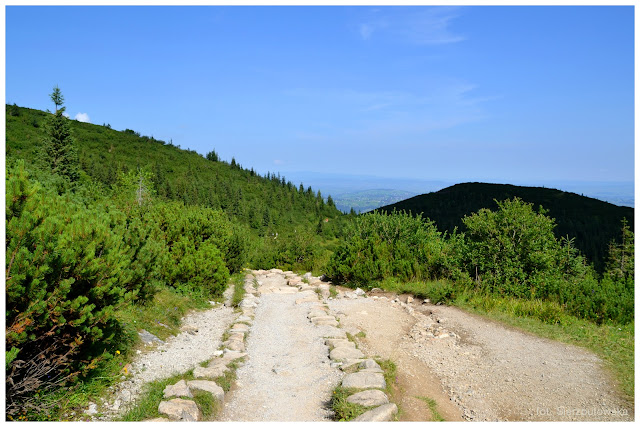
(83, 117)
(417, 25)
(438, 104)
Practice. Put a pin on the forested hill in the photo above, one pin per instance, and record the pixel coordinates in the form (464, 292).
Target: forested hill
(593, 223)
(267, 204)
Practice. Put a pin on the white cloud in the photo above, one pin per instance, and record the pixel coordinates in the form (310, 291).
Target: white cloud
(426, 26)
(83, 117)
(278, 162)
(66, 115)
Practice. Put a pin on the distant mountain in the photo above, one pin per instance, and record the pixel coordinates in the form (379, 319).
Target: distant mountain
(593, 223)
(366, 200)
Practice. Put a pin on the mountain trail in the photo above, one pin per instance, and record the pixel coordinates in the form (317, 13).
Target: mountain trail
(296, 340)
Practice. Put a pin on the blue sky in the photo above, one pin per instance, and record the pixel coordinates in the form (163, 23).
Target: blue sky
(500, 94)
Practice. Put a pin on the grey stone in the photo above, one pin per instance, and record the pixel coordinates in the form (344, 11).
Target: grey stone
(316, 313)
(239, 327)
(364, 380)
(179, 389)
(307, 276)
(310, 298)
(92, 409)
(244, 318)
(333, 342)
(208, 386)
(232, 354)
(326, 322)
(379, 414)
(210, 372)
(149, 338)
(369, 398)
(359, 292)
(369, 364)
(333, 332)
(345, 353)
(236, 336)
(180, 410)
(235, 345)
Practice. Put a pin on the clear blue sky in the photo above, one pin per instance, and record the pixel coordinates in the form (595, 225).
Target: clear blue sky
(500, 94)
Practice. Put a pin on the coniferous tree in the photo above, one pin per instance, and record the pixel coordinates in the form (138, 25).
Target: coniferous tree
(59, 151)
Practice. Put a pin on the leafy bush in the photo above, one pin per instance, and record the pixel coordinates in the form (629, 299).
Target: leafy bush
(378, 245)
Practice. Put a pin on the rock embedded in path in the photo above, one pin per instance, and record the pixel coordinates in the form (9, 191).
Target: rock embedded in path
(148, 338)
(369, 398)
(379, 414)
(364, 380)
(370, 365)
(235, 345)
(180, 410)
(208, 386)
(179, 389)
(341, 353)
(210, 372)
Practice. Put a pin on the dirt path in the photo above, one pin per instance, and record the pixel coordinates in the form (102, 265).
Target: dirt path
(478, 370)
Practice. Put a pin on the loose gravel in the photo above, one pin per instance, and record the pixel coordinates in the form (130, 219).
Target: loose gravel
(177, 355)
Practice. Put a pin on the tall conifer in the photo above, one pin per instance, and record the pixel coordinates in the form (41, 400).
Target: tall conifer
(59, 150)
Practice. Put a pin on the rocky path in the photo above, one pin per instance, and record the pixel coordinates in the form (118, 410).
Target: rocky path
(292, 343)
(287, 376)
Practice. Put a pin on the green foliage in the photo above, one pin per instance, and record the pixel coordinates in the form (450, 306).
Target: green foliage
(592, 223)
(58, 147)
(512, 247)
(378, 245)
(513, 252)
(67, 272)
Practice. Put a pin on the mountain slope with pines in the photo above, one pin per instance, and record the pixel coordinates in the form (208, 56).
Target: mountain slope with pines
(593, 223)
(267, 204)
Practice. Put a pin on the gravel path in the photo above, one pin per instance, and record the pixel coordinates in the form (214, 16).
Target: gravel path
(177, 355)
(490, 372)
(287, 376)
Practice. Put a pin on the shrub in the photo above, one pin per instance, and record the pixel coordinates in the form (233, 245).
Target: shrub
(379, 245)
(66, 275)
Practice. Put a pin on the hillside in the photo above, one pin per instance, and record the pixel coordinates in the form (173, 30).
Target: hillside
(591, 222)
(266, 204)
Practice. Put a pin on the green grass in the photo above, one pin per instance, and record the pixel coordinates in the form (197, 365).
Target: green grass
(435, 415)
(238, 289)
(390, 370)
(333, 292)
(343, 410)
(147, 404)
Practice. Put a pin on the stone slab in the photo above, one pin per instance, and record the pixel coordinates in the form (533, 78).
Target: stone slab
(369, 398)
(379, 414)
(364, 380)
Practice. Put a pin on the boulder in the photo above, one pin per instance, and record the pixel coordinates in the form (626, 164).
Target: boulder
(359, 292)
(179, 389)
(191, 330)
(208, 386)
(364, 380)
(180, 410)
(379, 414)
(345, 353)
(369, 398)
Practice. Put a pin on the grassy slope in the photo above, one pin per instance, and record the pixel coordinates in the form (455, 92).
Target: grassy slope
(591, 222)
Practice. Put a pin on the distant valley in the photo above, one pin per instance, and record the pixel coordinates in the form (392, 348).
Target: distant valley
(367, 200)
